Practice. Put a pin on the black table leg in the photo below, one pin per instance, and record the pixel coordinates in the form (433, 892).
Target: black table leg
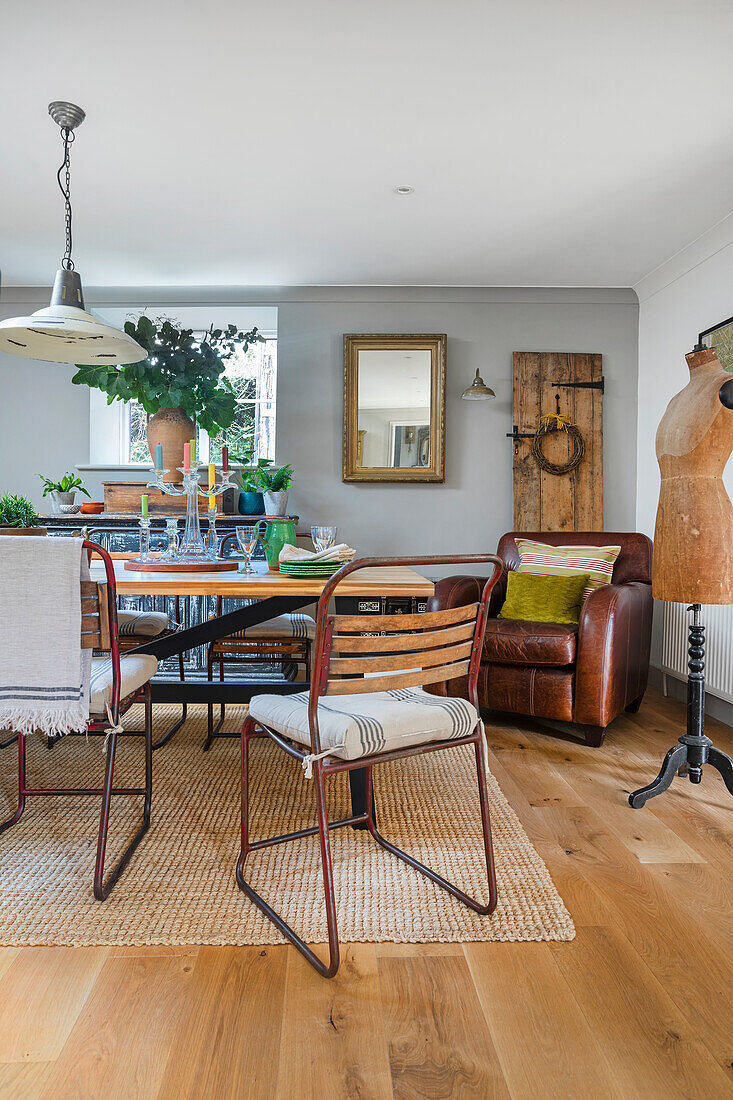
(357, 785)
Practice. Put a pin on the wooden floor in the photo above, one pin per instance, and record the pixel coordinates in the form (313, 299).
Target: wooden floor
(639, 1005)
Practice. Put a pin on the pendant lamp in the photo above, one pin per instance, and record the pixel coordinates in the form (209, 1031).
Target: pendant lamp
(478, 390)
(64, 332)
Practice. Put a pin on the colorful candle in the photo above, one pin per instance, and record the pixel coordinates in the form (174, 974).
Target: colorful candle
(187, 456)
(144, 505)
(159, 456)
(225, 459)
(211, 476)
(193, 450)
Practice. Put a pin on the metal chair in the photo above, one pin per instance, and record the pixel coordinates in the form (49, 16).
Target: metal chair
(288, 638)
(388, 723)
(116, 683)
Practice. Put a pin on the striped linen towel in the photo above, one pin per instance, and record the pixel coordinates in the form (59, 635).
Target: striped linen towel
(44, 673)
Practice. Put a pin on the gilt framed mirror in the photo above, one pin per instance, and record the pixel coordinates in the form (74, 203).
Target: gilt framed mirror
(394, 408)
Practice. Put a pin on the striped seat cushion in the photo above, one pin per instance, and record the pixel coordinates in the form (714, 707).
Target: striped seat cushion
(564, 561)
(293, 627)
(135, 671)
(141, 624)
(359, 725)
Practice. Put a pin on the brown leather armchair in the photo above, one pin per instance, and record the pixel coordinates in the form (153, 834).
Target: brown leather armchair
(586, 674)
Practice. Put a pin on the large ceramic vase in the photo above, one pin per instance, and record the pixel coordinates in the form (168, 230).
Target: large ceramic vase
(172, 428)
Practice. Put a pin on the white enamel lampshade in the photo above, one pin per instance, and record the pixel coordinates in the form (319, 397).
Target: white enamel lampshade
(64, 332)
(478, 390)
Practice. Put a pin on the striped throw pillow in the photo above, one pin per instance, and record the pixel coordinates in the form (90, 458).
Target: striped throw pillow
(565, 561)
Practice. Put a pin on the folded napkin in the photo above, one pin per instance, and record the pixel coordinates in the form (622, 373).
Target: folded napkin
(44, 673)
(341, 552)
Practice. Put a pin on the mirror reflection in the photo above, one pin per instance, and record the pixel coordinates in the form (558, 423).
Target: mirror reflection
(394, 401)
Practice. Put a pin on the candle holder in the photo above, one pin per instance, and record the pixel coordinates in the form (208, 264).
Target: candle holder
(212, 537)
(171, 550)
(144, 540)
(192, 548)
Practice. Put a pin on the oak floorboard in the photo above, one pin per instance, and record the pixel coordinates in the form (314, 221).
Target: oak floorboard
(7, 956)
(23, 1080)
(41, 995)
(227, 1041)
(702, 893)
(528, 1007)
(647, 1042)
(335, 1028)
(686, 962)
(121, 1039)
(439, 1043)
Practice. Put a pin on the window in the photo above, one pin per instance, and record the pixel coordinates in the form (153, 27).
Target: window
(252, 374)
(118, 433)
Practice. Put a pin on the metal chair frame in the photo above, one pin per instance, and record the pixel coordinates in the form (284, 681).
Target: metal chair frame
(243, 651)
(99, 603)
(336, 675)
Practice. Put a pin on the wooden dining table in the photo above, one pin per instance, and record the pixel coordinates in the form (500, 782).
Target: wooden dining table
(276, 594)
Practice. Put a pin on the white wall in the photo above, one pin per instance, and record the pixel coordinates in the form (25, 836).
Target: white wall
(45, 418)
(691, 292)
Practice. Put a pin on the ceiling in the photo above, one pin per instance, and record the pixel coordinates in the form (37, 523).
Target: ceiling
(240, 143)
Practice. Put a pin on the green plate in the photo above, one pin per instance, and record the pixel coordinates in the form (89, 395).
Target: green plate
(308, 569)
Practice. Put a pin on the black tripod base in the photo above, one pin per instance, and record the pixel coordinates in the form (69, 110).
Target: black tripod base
(690, 754)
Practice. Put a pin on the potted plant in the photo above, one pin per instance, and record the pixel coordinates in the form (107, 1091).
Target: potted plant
(181, 382)
(275, 485)
(251, 502)
(62, 492)
(18, 516)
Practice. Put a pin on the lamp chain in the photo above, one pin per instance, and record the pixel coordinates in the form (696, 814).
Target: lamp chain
(65, 188)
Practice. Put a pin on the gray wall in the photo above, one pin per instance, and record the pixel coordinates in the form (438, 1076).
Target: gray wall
(474, 506)
(45, 418)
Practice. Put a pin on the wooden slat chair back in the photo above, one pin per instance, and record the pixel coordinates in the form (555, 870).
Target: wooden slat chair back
(409, 650)
(438, 647)
(95, 616)
(400, 651)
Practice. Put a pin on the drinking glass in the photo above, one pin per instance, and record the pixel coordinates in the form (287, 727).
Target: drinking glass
(247, 535)
(323, 537)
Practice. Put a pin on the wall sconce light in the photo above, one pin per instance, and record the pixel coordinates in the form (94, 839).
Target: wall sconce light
(478, 390)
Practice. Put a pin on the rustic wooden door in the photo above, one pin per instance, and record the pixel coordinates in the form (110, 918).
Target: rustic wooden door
(558, 502)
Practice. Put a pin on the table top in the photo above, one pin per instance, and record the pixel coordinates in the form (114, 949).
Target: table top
(384, 581)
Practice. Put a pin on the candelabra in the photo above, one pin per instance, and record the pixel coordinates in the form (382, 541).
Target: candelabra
(192, 548)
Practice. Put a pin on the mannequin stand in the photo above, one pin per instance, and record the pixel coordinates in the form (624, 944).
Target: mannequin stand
(694, 748)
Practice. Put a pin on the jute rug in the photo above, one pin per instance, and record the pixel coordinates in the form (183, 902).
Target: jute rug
(180, 888)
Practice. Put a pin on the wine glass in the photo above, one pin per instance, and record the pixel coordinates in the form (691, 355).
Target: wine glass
(323, 537)
(247, 535)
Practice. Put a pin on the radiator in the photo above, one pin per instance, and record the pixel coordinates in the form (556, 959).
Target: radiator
(718, 622)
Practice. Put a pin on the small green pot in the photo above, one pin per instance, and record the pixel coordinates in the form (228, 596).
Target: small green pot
(251, 504)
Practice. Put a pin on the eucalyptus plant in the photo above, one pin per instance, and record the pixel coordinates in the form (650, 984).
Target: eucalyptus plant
(183, 369)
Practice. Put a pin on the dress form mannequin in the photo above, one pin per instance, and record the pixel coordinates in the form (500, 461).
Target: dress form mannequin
(693, 540)
(693, 543)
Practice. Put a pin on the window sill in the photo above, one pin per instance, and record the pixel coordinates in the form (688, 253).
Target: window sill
(139, 467)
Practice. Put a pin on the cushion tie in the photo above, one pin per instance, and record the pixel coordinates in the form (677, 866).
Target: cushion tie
(118, 728)
(307, 761)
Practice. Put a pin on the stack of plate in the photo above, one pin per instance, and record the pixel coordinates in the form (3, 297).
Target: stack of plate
(310, 568)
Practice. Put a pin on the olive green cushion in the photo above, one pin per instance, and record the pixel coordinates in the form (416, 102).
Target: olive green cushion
(543, 599)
